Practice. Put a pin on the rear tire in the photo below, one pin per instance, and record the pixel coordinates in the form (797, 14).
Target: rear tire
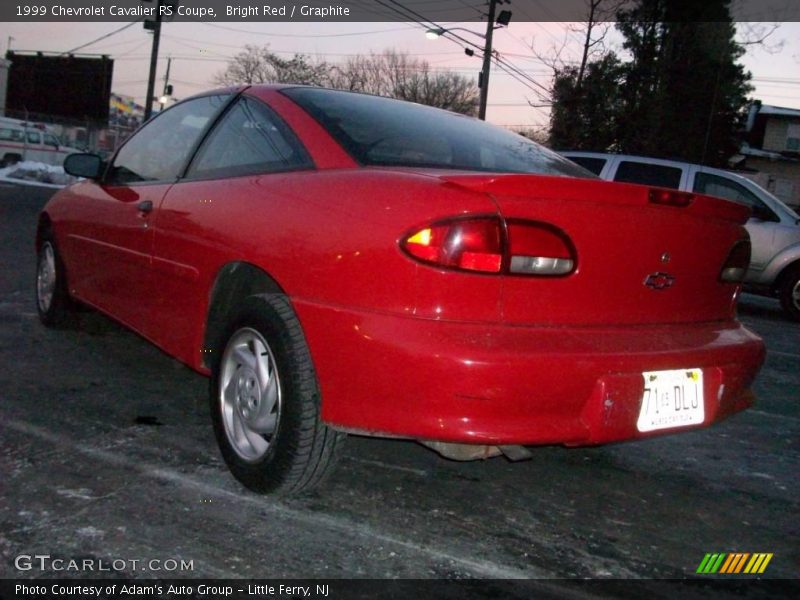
(265, 401)
(53, 303)
(789, 293)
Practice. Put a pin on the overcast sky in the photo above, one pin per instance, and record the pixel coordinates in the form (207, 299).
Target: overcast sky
(199, 50)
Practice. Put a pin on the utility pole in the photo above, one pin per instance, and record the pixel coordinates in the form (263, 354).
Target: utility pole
(167, 92)
(151, 80)
(487, 61)
(166, 76)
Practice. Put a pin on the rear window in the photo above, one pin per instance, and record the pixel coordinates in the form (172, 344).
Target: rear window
(595, 165)
(387, 132)
(631, 171)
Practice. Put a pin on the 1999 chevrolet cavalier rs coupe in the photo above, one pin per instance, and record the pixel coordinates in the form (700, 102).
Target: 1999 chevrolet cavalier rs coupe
(338, 262)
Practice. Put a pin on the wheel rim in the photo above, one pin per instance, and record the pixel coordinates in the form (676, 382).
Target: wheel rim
(796, 294)
(46, 277)
(249, 394)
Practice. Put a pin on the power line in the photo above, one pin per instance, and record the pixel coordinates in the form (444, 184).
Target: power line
(305, 35)
(102, 37)
(239, 46)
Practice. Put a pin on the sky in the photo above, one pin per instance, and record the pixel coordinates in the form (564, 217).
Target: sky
(200, 50)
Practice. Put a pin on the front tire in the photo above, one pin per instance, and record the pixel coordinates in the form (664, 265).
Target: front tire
(53, 303)
(789, 293)
(265, 401)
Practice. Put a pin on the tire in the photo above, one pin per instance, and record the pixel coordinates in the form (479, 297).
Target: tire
(789, 293)
(10, 159)
(53, 303)
(265, 401)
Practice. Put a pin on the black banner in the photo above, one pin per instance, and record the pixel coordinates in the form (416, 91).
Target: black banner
(414, 589)
(333, 11)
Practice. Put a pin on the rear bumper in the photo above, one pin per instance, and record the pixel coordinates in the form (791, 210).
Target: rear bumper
(492, 384)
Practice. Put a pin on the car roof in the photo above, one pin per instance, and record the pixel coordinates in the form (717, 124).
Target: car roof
(649, 159)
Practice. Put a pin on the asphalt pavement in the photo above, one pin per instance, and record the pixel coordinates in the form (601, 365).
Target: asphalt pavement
(107, 452)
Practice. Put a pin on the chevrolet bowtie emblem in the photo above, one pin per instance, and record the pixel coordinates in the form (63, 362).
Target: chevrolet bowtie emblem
(659, 281)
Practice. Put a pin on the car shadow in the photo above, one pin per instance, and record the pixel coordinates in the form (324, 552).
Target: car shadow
(750, 305)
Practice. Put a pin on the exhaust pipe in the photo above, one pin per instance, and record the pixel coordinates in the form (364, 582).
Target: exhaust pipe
(466, 452)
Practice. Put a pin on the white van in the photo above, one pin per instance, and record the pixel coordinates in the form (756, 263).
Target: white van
(23, 140)
(774, 228)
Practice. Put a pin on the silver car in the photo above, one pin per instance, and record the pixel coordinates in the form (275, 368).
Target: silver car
(774, 228)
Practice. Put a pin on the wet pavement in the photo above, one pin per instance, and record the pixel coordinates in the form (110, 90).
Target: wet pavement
(107, 453)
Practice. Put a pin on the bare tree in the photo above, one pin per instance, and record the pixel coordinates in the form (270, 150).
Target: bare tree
(390, 73)
(591, 34)
(259, 65)
(599, 14)
(759, 34)
(397, 75)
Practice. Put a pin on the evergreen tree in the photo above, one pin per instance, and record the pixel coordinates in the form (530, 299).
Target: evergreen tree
(685, 93)
(585, 111)
(681, 95)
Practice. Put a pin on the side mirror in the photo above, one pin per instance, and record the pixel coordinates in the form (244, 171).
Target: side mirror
(89, 166)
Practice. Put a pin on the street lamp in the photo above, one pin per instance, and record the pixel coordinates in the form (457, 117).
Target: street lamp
(503, 19)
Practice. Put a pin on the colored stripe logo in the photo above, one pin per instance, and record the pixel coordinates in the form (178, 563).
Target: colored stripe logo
(734, 563)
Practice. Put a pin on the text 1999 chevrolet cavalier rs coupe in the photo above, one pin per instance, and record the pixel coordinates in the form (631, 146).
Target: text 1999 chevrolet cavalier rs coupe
(338, 262)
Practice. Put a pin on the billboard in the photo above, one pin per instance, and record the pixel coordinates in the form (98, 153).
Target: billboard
(64, 86)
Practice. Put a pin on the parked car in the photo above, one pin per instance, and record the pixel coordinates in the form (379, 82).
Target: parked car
(24, 140)
(343, 263)
(774, 228)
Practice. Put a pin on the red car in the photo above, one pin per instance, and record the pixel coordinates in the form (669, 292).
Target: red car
(342, 263)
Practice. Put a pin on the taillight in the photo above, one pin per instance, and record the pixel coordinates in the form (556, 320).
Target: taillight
(490, 245)
(670, 197)
(539, 249)
(468, 244)
(735, 267)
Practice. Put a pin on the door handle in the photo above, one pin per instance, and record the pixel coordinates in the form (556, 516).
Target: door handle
(145, 206)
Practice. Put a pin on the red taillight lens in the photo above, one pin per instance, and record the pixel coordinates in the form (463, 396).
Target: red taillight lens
(489, 245)
(671, 197)
(469, 244)
(735, 267)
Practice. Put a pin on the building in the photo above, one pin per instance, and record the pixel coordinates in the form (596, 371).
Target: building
(771, 154)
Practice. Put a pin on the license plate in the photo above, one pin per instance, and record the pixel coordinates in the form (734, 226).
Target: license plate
(671, 399)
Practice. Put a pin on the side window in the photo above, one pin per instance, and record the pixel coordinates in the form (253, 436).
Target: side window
(648, 174)
(249, 139)
(595, 165)
(34, 137)
(160, 149)
(722, 187)
(10, 135)
(50, 140)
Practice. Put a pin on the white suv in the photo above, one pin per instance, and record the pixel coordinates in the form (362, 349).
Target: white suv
(774, 227)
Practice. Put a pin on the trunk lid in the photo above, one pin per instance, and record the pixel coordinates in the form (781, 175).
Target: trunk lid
(638, 261)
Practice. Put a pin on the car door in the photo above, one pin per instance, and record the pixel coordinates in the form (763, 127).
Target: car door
(112, 246)
(51, 146)
(33, 151)
(761, 226)
(203, 222)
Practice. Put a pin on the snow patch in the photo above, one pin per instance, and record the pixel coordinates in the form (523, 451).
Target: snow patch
(30, 172)
(90, 532)
(80, 493)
